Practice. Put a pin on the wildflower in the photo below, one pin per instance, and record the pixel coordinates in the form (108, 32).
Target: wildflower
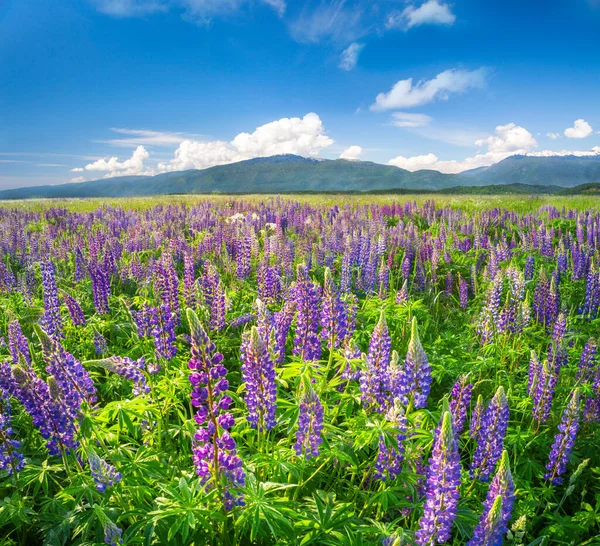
(11, 459)
(460, 399)
(441, 489)
(129, 369)
(104, 474)
(100, 343)
(374, 379)
(18, 344)
(417, 369)
(51, 319)
(310, 425)
(391, 450)
(75, 311)
(334, 315)
(307, 344)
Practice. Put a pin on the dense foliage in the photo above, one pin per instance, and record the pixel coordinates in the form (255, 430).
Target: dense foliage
(272, 371)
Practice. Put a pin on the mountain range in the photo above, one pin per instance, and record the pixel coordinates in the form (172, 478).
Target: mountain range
(292, 173)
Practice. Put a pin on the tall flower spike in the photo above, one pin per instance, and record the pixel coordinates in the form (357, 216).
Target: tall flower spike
(375, 379)
(441, 489)
(488, 531)
(503, 487)
(51, 319)
(17, 343)
(334, 315)
(103, 473)
(310, 425)
(490, 438)
(460, 400)
(75, 311)
(475, 424)
(258, 374)
(564, 440)
(215, 452)
(307, 344)
(543, 386)
(391, 450)
(11, 459)
(417, 368)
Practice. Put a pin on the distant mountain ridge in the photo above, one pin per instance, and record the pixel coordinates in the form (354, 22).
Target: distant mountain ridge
(291, 173)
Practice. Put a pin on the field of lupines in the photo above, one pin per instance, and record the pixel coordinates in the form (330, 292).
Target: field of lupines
(299, 371)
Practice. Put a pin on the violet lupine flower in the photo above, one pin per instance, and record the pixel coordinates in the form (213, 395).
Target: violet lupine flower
(529, 267)
(129, 369)
(306, 294)
(43, 401)
(417, 369)
(503, 487)
(463, 292)
(460, 400)
(564, 440)
(489, 529)
(75, 311)
(543, 386)
(490, 438)
(104, 474)
(535, 367)
(237, 322)
(51, 319)
(215, 452)
(258, 374)
(441, 489)
(449, 284)
(112, 533)
(142, 320)
(557, 351)
(334, 315)
(391, 450)
(73, 379)
(587, 363)
(553, 305)
(402, 295)
(100, 286)
(17, 343)
(476, 416)
(166, 286)
(282, 322)
(189, 278)
(310, 425)
(162, 328)
(100, 344)
(217, 309)
(11, 459)
(375, 377)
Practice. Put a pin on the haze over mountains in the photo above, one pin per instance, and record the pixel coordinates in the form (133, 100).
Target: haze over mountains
(292, 173)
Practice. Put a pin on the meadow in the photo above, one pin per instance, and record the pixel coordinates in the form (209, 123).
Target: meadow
(295, 370)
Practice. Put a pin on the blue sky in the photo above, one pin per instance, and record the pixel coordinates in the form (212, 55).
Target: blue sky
(99, 88)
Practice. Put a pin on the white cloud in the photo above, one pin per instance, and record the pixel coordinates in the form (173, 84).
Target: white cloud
(406, 95)
(113, 167)
(349, 56)
(431, 12)
(580, 129)
(145, 137)
(553, 136)
(595, 151)
(302, 136)
(77, 170)
(78, 179)
(278, 5)
(405, 119)
(352, 153)
(509, 139)
(129, 8)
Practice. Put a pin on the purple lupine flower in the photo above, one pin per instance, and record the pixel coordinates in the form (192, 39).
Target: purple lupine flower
(306, 294)
(282, 322)
(535, 367)
(490, 438)
(557, 351)
(402, 295)
(553, 304)
(587, 363)
(375, 378)
(417, 369)
(100, 344)
(241, 320)
(51, 319)
(17, 343)
(100, 286)
(142, 319)
(215, 452)
(334, 315)
(449, 284)
(11, 459)
(162, 328)
(129, 369)
(503, 487)
(529, 267)
(43, 401)
(564, 441)
(104, 474)
(217, 309)
(489, 529)
(460, 400)
(310, 424)
(543, 386)
(391, 449)
(75, 311)
(258, 374)
(166, 286)
(476, 416)
(351, 353)
(73, 379)
(441, 490)
(188, 278)
(112, 533)
(463, 292)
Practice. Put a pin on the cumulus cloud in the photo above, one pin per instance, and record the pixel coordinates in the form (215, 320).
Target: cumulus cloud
(406, 95)
(431, 12)
(405, 119)
(509, 139)
(580, 129)
(77, 170)
(553, 136)
(349, 56)
(302, 136)
(113, 167)
(352, 153)
(78, 179)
